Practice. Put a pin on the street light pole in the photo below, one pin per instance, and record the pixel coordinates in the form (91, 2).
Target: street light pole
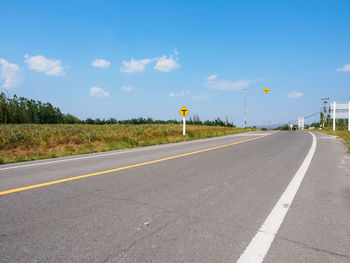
(266, 90)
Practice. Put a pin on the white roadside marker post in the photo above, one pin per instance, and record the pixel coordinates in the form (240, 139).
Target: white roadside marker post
(184, 111)
(349, 116)
(334, 115)
(184, 126)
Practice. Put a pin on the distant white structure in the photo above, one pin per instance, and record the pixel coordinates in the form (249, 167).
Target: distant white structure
(340, 110)
(301, 123)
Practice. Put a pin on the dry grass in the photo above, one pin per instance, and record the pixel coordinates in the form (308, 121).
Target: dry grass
(23, 142)
(342, 134)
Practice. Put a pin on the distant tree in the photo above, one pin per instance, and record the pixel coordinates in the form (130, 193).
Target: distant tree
(89, 121)
(71, 119)
(111, 121)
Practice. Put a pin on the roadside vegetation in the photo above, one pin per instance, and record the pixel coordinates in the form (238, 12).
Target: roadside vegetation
(342, 134)
(341, 128)
(32, 130)
(22, 142)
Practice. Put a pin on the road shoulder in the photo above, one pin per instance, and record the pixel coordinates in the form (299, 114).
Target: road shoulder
(316, 228)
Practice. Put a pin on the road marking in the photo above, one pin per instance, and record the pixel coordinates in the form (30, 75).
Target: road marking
(260, 244)
(20, 189)
(95, 155)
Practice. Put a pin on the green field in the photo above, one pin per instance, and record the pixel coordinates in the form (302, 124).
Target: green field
(23, 142)
(344, 135)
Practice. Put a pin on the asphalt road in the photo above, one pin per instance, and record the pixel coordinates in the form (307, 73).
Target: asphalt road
(255, 197)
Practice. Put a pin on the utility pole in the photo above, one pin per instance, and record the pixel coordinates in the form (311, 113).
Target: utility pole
(324, 109)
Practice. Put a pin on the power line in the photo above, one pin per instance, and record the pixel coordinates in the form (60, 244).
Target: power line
(312, 114)
(309, 116)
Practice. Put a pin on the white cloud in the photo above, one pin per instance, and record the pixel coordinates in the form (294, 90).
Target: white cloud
(345, 68)
(212, 77)
(42, 64)
(230, 85)
(135, 65)
(11, 74)
(127, 88)
(181, 94)
(101, 63)
(294, 95)
(98, 92)
(165, 64)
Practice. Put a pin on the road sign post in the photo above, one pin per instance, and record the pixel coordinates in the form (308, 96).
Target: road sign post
(334, 110)
(340, 110)
(184, 126)
(245, 106)
(184, 111)
(301, 123)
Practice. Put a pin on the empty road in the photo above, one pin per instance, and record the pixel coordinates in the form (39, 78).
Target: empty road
(254, 197)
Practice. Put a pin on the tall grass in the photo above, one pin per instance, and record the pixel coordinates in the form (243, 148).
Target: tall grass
(22, 142)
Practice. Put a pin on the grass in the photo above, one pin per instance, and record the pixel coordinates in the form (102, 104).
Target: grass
(24, 142)
(344, 135)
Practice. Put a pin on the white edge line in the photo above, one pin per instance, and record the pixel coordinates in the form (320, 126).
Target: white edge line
(260, 244)
(122, 151)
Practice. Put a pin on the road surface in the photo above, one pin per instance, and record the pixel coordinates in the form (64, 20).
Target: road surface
(253, 197)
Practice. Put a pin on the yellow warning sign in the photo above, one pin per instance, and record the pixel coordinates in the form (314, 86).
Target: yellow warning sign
(266, 90)
(184, 111)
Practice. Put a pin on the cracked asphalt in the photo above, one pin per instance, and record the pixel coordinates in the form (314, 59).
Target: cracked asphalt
(204, 207)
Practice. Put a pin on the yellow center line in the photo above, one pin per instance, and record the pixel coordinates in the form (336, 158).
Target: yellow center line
(20, 189)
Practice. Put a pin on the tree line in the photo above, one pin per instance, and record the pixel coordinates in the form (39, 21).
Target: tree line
(340, 123)
(17, 110)
(22, 110)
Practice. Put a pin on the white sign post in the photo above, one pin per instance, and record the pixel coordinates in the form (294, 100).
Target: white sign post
(184, 126)
(334, 111)
(340, 110)
(184, 111)
(301, 123)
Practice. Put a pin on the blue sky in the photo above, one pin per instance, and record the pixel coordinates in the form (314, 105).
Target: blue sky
(127, 59)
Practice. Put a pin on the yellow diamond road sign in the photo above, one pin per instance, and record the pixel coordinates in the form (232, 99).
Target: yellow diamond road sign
(184, 111)
(266, 90)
